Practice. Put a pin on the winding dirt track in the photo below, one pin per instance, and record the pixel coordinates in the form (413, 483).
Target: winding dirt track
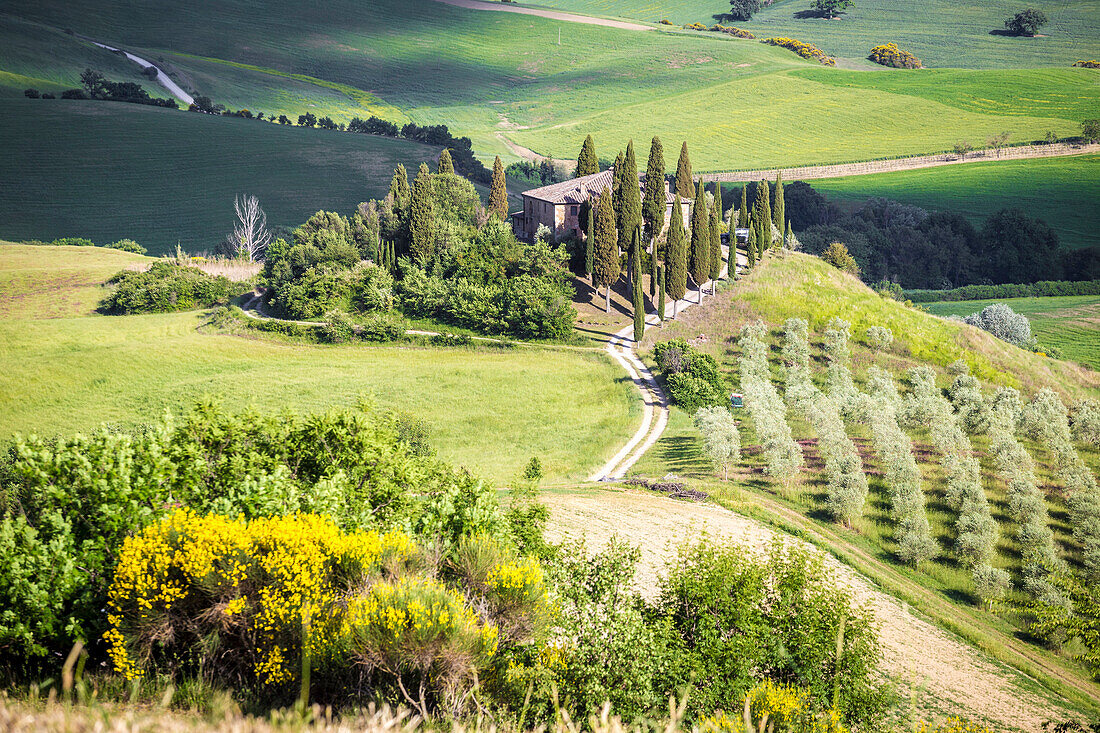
(551, 14)
(945, 675)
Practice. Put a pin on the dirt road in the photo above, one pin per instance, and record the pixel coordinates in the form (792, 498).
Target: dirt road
(551, 14)
(945, 675)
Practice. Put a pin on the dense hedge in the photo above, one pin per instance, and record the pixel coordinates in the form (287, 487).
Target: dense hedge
(1046, 288)
(165, 287)
(126, 245)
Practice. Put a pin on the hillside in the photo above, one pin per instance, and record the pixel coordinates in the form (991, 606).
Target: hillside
(794, 285)
(65, 369)
(1064, 192)
(163, 177)
(489, 75)
(941, 33)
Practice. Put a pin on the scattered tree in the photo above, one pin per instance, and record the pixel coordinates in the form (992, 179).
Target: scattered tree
(837, 255)
(250, 236)
(743, 9)
(606, 268)
(498, 193)
(1026, 22)
(831, 8)
(587, 163)
(307, 120)
(1090, 130)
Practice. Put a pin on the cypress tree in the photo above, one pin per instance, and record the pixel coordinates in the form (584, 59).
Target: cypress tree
(685, 184)
(743, 212)
(590, 238)
(639, 306)
(446, 165)
(652, 270)
(399, 187)
(422, 217)
(715, 250)
(761, 217)
(606, 269)
(617, 191)
(587, 163)
(779, 212)
(750, 249)
(788, 239)
(676, 258)
(661, 297)
(653, 206)
(632, 202)
(699, 262)
(498, 193)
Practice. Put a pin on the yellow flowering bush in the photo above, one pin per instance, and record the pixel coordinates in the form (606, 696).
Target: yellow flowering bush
(888, 54)
(732, 30)
(775, 707)
(805, 50)
(424, 636)
(512, 588)
(240, 592)
(1089, 64)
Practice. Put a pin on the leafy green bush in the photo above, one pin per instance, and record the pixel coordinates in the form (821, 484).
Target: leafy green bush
(692, 377)
(165, 287)
(1007, 290)
(736, 619)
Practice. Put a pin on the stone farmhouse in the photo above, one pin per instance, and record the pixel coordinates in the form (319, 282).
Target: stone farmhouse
(558, 205)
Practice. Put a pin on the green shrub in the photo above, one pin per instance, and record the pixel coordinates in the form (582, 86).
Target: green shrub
(165, 287)
(692, 377)
(338, 328)
(736, 619)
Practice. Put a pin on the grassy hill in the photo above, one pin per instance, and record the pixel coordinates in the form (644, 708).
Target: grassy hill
(1064, 192)
(1071, 323)
(63, 369)
(739, 103)
(800, 286)
(941, 33)
(108, 170)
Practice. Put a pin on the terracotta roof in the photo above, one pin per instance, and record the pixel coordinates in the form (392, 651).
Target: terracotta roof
(579, 190)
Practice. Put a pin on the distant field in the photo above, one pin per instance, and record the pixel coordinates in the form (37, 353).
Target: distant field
(941, 32)
(107, 170)
(488, 410)
(738, 103)
(1071, 323)
(1064, 192)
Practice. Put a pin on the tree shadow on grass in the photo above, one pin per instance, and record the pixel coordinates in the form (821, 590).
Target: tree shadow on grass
(810, 13)
(681, 454)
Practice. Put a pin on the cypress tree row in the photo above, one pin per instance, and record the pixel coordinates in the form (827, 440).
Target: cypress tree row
(446, 164)
(639, 306)
(606, 268)
(743, 211)
(422, 217)
(685, 184)
(653, 206)
(498, 193)
(661, 296)
(761, 218)
(769, 413)
(676, 257)
(699, 262)
(587, 163)
(779, 211)
(617, 190)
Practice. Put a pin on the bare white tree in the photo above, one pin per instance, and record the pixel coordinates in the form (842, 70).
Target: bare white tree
(250, 236)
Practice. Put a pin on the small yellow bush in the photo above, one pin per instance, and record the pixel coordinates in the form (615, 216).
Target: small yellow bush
(805, 50)
(888, 54)
(240, 591)
(781, 708)
(953, 725)
(732, 31)
(1090, 64)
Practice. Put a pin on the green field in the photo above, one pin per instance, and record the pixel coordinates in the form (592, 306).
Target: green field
(738, 103)
(1071, 323)
(108, 170)
(488, 409)
(940, 32)
(1064, 192)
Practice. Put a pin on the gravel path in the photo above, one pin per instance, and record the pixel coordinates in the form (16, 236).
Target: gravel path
(163, 79)
(551, 14)
(945, 675)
